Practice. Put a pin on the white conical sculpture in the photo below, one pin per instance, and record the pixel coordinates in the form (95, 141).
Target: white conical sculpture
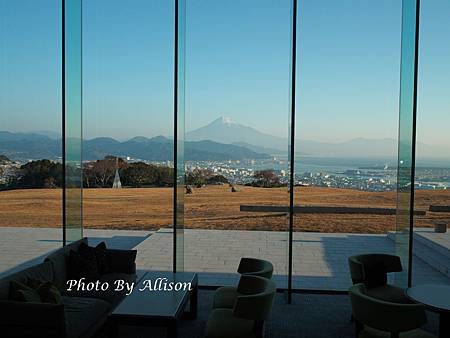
(117, 184)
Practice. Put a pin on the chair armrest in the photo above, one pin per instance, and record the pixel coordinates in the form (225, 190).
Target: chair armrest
(356, 270)
(23, 319)
(122, 261)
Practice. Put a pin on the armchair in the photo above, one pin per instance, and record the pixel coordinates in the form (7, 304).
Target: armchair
(246, 318)
(375, 318)
(371, 270)
(225, 297)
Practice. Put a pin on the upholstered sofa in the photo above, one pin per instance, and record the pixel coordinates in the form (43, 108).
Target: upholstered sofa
(79, 313)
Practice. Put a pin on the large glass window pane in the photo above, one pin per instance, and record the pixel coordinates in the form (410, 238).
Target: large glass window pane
(346, 136)
(431, 243)
(236, 149)
(30, 131)
(128, 140)
(73, 111)
(406, 139)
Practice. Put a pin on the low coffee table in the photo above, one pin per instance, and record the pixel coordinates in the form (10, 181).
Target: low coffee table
(436, 298)
(157, 307)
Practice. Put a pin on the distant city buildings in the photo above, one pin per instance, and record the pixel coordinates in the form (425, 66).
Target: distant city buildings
(371, 179)
(375, 179)
(9, 170)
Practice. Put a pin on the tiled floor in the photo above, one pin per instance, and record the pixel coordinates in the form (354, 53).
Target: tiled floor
(319, 260)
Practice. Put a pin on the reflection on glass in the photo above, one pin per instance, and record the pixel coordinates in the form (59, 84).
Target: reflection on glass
(406, 137)
(73, 119)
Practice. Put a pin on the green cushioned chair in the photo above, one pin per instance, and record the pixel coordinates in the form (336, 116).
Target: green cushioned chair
(246, 318)
(375, 318)
(372, 270)
(225, 297)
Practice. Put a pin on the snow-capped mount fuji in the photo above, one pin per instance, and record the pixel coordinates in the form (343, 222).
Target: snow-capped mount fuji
(225, 130)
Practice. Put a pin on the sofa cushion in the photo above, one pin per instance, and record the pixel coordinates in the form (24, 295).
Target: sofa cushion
(101, 253)
(122, 261)
(82, 315)
(43, 271)
(21, 292)
(58, 261)
(82, 264)
(49, 293)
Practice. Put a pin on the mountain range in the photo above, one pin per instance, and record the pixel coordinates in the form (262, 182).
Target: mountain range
(220, 140)
(24, 146)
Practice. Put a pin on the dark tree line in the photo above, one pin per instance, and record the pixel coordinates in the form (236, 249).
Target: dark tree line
(96, 174)
(201, 177)
(38, 174)
(101, 173)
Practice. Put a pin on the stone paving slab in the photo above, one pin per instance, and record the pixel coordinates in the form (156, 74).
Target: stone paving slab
(320, 260)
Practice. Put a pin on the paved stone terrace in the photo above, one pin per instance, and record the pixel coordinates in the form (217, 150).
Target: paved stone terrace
(320, 260)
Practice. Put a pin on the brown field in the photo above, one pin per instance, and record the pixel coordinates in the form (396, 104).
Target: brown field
(212, 207)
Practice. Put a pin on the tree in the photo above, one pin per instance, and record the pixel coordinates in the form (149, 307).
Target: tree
(101, 172)
(200, 177)
(39, 174)
(266, 178)
(165, 176)
(139, 174)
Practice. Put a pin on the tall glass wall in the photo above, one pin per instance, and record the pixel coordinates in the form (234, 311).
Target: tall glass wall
(406, 138)
(128, 123)
(236, 149)
(215, 76)
(30, 130)
(72, 114)
(348, 65)
(179, 132)
(431, 243)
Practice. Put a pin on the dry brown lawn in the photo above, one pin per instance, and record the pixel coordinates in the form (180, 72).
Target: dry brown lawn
(212, 207)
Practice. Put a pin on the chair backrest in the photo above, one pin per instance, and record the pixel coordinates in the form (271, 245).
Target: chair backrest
(385, 316)
(258, 304)
(255, 267)
(372, 269)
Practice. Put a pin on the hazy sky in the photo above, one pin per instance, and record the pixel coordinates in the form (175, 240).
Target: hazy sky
(237, 65)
